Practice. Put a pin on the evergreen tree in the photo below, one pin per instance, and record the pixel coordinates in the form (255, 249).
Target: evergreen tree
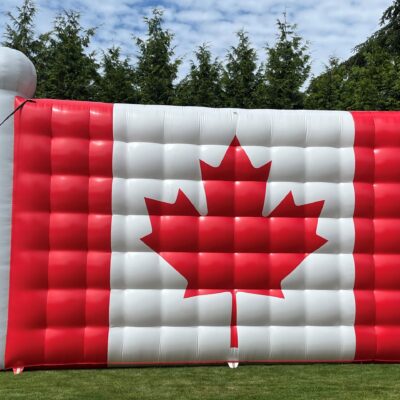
(241, 77)
(156, 68)
(375, 84)
(325, 91)
(389, 34)
(117, 82)
(66, 70)
(287, 68)
(202, 86)
(369, 79)
(19, 33)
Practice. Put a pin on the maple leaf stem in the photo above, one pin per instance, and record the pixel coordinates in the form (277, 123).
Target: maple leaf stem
(234, 332)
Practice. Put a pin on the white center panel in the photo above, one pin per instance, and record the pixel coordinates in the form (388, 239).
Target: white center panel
(156, 152)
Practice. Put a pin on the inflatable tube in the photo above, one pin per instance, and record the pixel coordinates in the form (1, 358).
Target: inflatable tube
(135, 235)
(17, 78)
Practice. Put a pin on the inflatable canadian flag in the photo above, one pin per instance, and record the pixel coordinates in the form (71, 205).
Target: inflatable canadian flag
(135, 234)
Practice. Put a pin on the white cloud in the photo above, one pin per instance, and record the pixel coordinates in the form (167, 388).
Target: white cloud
(331, 26)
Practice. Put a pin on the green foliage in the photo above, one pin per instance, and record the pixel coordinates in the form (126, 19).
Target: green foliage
(241, 77)
(374, 85)
(391, 16)
(325, 91)
(287, 68)
(389, 34)
(66, 70)
(19, 33)
(368, 80)
(156, 68)
(117, 82)
(202, 86)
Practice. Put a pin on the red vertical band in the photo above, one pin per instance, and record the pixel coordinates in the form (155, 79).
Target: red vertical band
(61, 234)
(377, 233)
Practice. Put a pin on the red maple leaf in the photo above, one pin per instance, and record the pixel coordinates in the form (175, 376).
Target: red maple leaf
(234, 248)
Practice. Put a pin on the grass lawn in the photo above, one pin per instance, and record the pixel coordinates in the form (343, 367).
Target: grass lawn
(318, 381)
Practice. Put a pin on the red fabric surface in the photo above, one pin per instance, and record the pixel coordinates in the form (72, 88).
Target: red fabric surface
(377, 239)
(61, 234)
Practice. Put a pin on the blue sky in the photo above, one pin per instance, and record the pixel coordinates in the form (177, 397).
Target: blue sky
(333, 27)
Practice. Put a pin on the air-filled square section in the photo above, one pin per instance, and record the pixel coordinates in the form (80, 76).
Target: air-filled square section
(386, 200)
(252, 271)
(69, 193)
(68, 231)
(99, 236)
(365, 279)
(100, 121)
(246, 190)
(35, 226)
(387, 346)
(36, 150)
(385, 313)
(70, 156)
(387, 271)
(252, 234)
(385, 159)
(70, 120)
(99, 152)
(216, 234)
(367, 196)
(366, 228)
(287, 234)
(223, 193)
(66, 307)
(387, 126)
(98, 269)
(67, 269)
(387, 236)
(215, 272)
(38, 184)
(66, 344)
(365, 163)
(99, 195)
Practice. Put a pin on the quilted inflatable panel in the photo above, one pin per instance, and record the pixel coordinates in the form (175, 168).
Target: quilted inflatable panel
(151, 234)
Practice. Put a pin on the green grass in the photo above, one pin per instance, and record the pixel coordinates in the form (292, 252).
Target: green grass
(317, 381)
